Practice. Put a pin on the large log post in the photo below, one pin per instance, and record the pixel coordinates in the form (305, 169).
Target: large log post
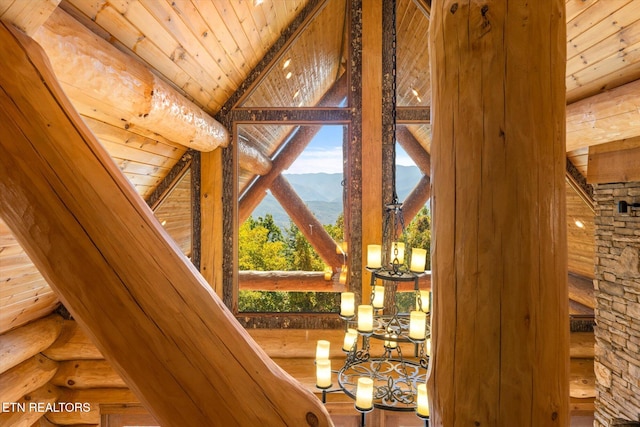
(146, 307)
(500, 326)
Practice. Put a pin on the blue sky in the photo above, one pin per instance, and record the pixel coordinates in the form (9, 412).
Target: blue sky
(324, 154)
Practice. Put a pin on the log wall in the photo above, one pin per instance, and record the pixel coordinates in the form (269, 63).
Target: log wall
(67, 369)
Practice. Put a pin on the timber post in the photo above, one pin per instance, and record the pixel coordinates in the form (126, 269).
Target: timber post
(500, 327)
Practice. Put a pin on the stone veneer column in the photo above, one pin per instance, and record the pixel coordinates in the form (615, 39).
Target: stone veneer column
(617, 352)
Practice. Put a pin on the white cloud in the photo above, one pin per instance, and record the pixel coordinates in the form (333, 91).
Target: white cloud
(317, 160)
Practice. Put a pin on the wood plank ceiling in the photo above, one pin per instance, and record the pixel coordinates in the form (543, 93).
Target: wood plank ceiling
(205, 50)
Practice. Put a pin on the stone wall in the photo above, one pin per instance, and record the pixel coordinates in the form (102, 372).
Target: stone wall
(617, 352)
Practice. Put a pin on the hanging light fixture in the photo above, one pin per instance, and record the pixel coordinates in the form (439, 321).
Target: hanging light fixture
(376, 372)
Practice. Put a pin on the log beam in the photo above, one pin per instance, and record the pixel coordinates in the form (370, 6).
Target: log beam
(101, 80)
(26, 377)
(416, 199)
(22, 343)
(499, 261)
(614, 162)
(307, 223)
(582, 378)
(604, 117)
(581, 290)
(75, 418)
(252, 159)
(296, 281)
(87, 374)
(31, 407)
(72, 344)
(288, 154)
(148, 309)
(414, 149)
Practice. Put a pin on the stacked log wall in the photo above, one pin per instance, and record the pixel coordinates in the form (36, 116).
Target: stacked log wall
(52, 362)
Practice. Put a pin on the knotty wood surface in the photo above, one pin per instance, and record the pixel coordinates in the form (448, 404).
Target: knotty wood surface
(499, 270)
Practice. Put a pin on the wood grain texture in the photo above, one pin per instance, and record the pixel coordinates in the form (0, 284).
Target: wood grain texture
(44, 395)
(155, 318)
(26, 377)
(500, 307)
(99, 77)
(607, 117)
(615, 161)
(20, 344)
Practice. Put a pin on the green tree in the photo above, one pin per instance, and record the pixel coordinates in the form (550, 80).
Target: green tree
(419, 233)
(259, 246)
(300, 253)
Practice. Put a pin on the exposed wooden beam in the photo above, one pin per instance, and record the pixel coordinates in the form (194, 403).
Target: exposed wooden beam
(416, 199)
(26, 377)
(296, 281)
(605, 117)
(306, 222)
(109, 85)
(408, 115)
(87, 374)
(288, 154)
(211, 219)
(34, 404)
(372, 140)
(88, 418)
(580, 309)
(72, 344)
(581, 290)
(148, 310)
(617, 161)
(582, 378)
(582, 345)
(313, 115)
(414, 149)
(20, 344)
(252, 159)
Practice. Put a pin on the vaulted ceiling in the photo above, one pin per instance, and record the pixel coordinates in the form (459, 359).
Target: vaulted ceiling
(232, 54)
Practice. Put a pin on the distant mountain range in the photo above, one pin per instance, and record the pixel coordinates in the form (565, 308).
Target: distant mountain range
(322, 193)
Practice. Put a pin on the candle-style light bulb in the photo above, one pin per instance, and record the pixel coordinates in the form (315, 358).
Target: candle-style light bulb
(323, 373)
(364, 394)
(374, 256)
(322, 350)
(350, 338)
(418, 260)
(378, 297)
(423, 401)
(365, 318)
(417, 325)
(347, 304)
(423, 301)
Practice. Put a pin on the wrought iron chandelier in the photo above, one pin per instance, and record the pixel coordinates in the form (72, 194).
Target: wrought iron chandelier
(379, 371)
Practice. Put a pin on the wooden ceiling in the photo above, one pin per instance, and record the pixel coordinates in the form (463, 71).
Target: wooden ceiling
(204, 51)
